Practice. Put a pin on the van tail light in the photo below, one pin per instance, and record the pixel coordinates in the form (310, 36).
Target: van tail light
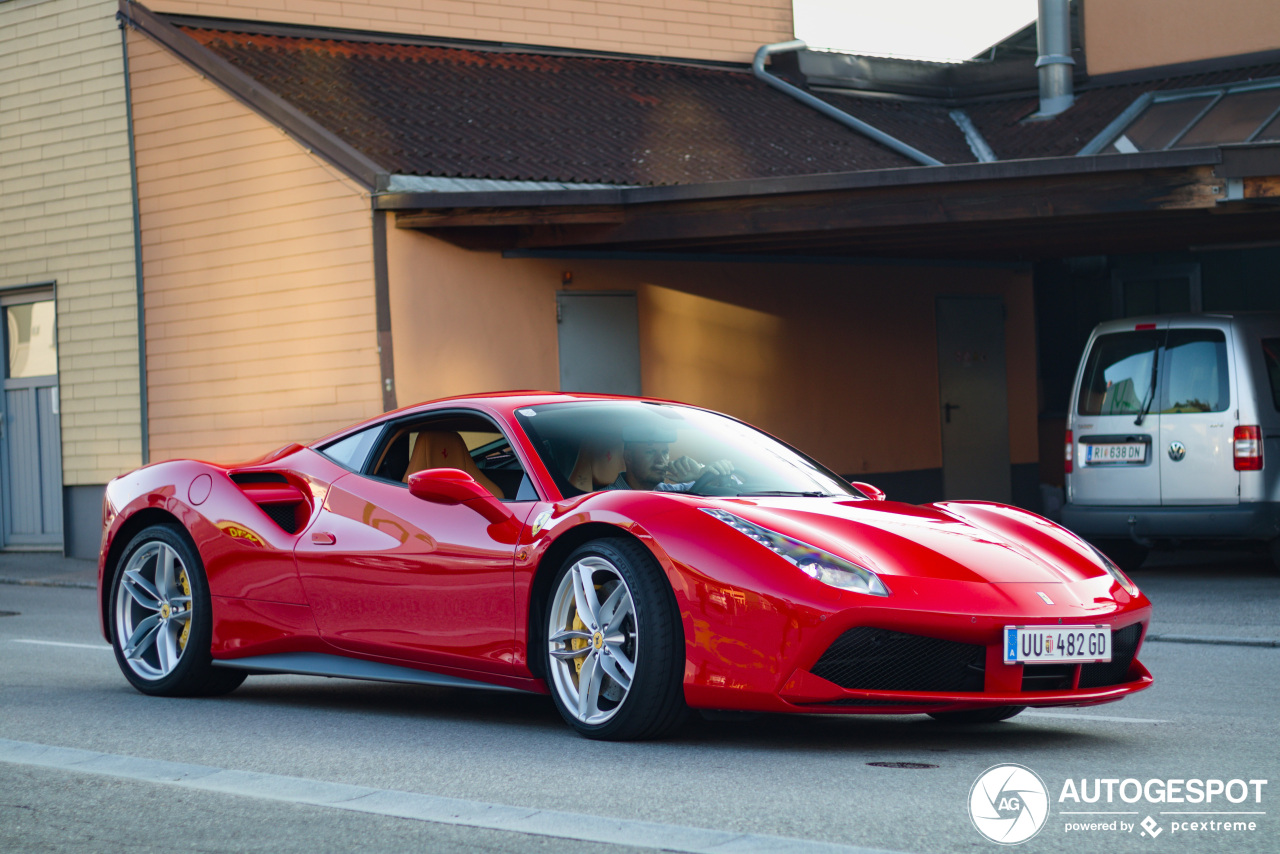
(1070, 450)
(1247, 448)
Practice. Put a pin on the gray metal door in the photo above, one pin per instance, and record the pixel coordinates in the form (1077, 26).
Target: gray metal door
(599, 342)
(973, 398)
(30, 436)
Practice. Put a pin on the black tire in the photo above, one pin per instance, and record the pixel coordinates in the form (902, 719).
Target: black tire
(1127, 554)
(191, 673)
(1273, 548)
(978, 716)
(652, 704)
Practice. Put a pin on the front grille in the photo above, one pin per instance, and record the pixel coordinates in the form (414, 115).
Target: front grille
(1124, 646)
(873, 659)
(1047, 677)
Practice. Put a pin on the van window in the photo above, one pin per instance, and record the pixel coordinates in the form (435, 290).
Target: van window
(1271, 354)
(1195, 372)
(1118, 374)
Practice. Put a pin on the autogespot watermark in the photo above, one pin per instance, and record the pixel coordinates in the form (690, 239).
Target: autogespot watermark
(1010, 804)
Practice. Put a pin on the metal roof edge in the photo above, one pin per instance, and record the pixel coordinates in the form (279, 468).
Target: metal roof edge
(306, 131)
(826, 182)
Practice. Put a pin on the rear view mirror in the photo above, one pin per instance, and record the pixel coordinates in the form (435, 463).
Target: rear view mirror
(454, 486)
(875, 493)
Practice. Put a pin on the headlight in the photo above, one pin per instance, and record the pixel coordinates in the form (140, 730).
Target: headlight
(812, 561)
(1116, 572)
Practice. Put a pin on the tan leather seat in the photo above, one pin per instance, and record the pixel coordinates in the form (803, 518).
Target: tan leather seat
(598, 464)
(444, 449)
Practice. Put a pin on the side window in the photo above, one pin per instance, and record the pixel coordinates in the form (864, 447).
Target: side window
(352, 451)
(1271, 355)
(1119, 373)
(1195, 372)
(468, 442)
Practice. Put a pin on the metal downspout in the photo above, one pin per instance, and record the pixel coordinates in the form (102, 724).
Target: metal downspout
(143, 423)
(1053, 43)
(757, 66)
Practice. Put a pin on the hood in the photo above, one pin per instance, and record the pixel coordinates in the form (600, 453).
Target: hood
(954, 541)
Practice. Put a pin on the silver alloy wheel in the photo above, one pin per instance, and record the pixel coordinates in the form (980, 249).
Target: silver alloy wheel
(153, 610)
(592, 640)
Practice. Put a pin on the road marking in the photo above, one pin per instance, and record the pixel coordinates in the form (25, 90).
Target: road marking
(1217, 641)
(1073, 812)
(419, 807)
(1039, 714)
(63, 643)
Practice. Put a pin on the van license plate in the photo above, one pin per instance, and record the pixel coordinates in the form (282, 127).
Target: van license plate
(1118, 454)
(1056, 644)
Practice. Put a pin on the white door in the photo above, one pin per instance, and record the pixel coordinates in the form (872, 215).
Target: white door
(1116, 421)
(1197, 420)
(974, 398)
(30, 437)
(599, 338)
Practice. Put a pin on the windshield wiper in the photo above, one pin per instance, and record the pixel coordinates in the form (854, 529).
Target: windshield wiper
(1151, 398)
(782, 493)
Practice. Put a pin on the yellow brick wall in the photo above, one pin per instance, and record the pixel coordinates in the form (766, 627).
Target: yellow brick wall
(258, 263)
(66, 215)
(724, 30)
(1120, 35)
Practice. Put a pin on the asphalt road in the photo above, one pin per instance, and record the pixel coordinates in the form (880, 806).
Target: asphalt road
(156, 774)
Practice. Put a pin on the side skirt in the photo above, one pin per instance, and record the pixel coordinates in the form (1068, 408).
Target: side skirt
(320, 664)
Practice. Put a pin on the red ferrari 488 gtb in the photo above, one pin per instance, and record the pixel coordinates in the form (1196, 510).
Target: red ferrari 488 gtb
(632, 558)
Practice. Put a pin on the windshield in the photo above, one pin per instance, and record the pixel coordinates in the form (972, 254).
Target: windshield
(594, 445)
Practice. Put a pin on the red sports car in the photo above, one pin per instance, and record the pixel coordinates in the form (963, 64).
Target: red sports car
(632, 558)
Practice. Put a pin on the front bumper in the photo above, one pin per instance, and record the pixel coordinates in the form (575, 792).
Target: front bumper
(1253, 520)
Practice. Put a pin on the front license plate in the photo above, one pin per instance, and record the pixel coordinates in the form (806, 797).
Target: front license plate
(1115, 454)
(1056, 644)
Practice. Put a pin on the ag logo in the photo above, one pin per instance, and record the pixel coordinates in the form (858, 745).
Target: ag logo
(1008, 804)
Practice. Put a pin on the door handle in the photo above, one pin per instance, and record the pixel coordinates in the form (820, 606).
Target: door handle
(947, 407)
(323, 538)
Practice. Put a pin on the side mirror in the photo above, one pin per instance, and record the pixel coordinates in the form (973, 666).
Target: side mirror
(454, 486)
(873, 492)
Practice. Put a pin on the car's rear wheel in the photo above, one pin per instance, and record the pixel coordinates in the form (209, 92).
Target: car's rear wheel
(978, 716)
(614, 647)
(162, 618)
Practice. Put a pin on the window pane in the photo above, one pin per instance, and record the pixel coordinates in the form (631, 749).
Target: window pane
(1271, 354)
(1271, 131)
(1161, 122)
(33, 352)
(353, 450)
(1233, 119)
(1195, 372)
(1117, 377)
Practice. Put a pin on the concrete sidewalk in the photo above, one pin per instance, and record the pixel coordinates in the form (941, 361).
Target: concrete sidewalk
(47, 569)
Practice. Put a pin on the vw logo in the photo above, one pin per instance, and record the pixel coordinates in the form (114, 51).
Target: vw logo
(1177, 451)
(1008, 804)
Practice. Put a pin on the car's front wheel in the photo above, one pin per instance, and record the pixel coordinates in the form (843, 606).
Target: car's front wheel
(614, 646)
(162, 618)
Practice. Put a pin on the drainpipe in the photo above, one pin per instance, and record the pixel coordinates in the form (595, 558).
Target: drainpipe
(1053, 41)
(757, 66)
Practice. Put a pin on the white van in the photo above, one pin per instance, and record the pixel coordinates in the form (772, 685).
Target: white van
(1172, 433)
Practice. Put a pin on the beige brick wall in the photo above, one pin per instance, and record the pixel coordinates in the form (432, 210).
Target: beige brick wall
(258, 263)
(66, 215)
(724, 30)
(1120, 35)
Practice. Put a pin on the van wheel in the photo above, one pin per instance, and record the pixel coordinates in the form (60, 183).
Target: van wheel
(1274, 548)
(1127, 554)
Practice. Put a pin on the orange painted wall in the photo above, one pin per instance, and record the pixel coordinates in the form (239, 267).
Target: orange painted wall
(258, 274)
(1120, 35)
(725, 30)
(838, 360)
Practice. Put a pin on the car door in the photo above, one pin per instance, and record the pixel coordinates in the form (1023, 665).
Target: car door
(392, 575)
(1114, 460)
(1197, 419)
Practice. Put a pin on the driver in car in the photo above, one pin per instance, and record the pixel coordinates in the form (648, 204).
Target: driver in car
(649, 466)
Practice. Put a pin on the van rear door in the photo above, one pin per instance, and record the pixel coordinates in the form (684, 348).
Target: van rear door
(1197, 421)
(1114, 460)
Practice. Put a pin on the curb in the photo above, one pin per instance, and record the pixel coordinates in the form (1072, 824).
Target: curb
(30, 582)
(1217, 641)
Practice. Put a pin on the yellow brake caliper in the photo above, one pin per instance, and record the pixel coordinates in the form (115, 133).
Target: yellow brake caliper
(186, 591)
(578, 643)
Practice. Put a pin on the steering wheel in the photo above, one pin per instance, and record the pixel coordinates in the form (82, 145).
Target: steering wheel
(710, 483)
